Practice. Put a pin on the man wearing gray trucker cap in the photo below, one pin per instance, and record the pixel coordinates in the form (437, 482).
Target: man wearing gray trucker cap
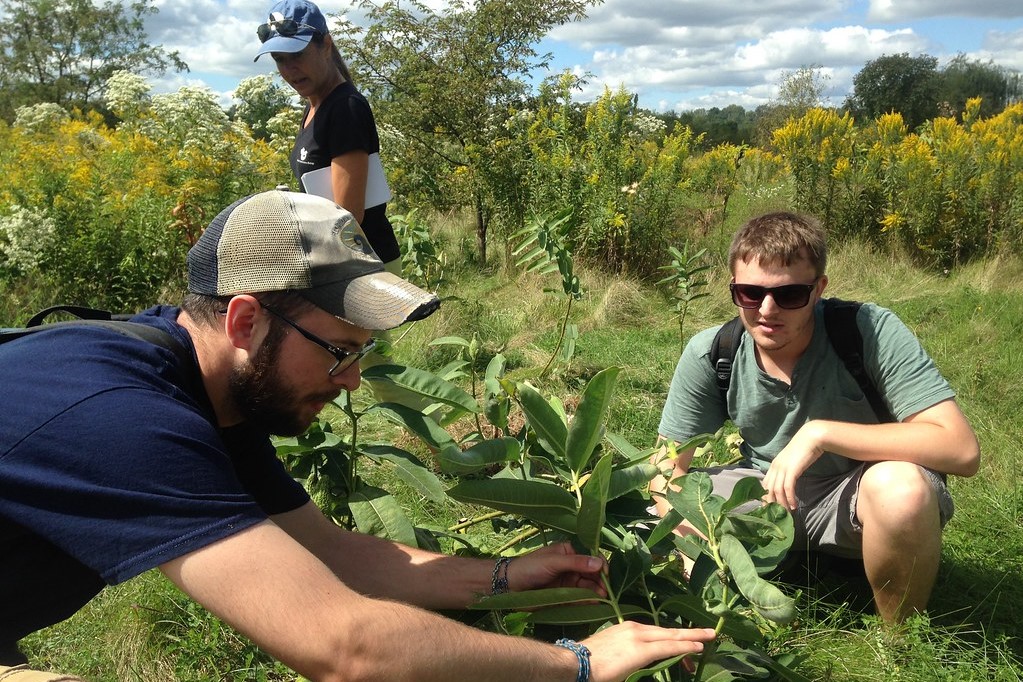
(119, 454)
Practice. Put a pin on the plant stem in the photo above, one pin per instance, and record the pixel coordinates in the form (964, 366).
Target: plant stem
(561, 338)
(611, 598)
(524, 535)
(472, 522)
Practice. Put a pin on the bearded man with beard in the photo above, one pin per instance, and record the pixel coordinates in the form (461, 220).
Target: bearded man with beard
(118, 455)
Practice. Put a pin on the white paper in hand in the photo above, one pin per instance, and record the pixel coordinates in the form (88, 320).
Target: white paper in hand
(377, 191)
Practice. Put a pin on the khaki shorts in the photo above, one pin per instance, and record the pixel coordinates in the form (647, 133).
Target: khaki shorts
(826, 517)
(21, 673)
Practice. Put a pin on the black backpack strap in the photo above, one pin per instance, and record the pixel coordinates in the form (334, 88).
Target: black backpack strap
(844, 335)
(81, 312)
(137, 330)
(722, 353)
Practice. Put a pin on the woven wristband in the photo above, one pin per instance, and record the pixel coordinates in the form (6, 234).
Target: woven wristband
(582, 653)
(499, 583)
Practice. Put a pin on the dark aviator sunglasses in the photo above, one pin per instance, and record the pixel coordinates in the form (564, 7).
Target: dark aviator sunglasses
(787, 296)
(282, 27)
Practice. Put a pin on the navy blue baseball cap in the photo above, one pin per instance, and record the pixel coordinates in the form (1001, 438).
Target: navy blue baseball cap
(290, 26)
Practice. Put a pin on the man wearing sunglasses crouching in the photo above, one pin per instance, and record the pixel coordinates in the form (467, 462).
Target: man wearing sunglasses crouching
(120, 453)
(855, 487)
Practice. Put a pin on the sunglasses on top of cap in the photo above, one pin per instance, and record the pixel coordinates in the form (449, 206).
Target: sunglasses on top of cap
(787, 296)
(282, 27)
(343, 358)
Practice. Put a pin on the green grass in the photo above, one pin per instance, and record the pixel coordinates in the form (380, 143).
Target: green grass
(970, 320)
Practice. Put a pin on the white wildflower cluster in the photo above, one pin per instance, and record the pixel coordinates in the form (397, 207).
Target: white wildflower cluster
(520, 119)
(40, 117)
(25, 235)
(127, 95)
(282, 127)
(647, 126)
(189, 117)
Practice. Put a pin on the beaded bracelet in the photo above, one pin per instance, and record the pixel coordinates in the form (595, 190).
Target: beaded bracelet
(499, 583)
(582, 653)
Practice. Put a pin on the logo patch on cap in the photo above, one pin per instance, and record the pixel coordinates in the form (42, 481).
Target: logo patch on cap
(352, 236)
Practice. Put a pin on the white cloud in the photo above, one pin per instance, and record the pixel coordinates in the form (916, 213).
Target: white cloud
(905, 10)
(669, 52)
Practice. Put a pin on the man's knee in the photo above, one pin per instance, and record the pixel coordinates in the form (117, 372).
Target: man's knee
(896, 492)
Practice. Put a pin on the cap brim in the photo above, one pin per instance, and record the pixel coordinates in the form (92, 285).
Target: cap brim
(378, 301)
(295, 43)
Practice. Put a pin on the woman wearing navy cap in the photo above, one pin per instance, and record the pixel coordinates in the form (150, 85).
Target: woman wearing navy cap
(337, 150)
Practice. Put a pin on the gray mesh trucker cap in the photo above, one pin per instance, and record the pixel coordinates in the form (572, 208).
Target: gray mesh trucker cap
(289, 241)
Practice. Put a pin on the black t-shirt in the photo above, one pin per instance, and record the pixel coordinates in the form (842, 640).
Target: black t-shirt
(344, 123)
(109, 466)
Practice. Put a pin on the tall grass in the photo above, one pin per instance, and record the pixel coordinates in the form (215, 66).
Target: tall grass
(970, 320)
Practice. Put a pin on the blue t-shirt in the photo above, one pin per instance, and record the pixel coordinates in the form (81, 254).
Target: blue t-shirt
(110, 466)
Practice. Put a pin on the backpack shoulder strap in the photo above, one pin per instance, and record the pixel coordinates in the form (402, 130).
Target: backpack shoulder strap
(81, 312)
(722, 353)
(101, 318)
(844, 335)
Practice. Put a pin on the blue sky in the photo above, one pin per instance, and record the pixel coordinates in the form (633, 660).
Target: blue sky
(675, 54)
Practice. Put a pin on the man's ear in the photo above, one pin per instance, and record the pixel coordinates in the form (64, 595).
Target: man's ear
(822, 284)
(245, 323)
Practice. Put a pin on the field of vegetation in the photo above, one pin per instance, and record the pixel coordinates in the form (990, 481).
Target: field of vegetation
(576, 246)
(968, 319)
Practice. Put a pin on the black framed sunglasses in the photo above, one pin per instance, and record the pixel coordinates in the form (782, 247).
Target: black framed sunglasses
(344, 358)
(787, 296)
(282, 27)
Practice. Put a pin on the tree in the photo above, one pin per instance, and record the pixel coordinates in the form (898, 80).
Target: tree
(963, 79)
(908, 85)
(447, 82)
(64, 51)
(798, 92)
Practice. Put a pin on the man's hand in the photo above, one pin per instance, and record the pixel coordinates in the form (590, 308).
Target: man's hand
(620, 650)
(556, 566)
(791, 463)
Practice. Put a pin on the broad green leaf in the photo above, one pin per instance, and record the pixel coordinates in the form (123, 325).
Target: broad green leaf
(483, 454)
(578, 614)
(748, 489)
(377, 513)
(534, 599)
(768, 555)
(767, 599)
(415, 421)
(548, 426)
(695, 501)
(630, 452)
(411, 470)
(588, 423)
(494, 371)
(690, 608)
(450, 341)
(664, 528)
(594, 500)
(630, 478)
(647, 673)
(746, 663)
(311, 440)
(568, 343)
(631, 561)
(423, 383)
(543, 503)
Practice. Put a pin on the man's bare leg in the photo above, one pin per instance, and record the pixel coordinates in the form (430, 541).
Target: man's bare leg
(901, 537)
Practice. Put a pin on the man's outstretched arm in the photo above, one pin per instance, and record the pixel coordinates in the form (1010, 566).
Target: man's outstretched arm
(267, 586)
